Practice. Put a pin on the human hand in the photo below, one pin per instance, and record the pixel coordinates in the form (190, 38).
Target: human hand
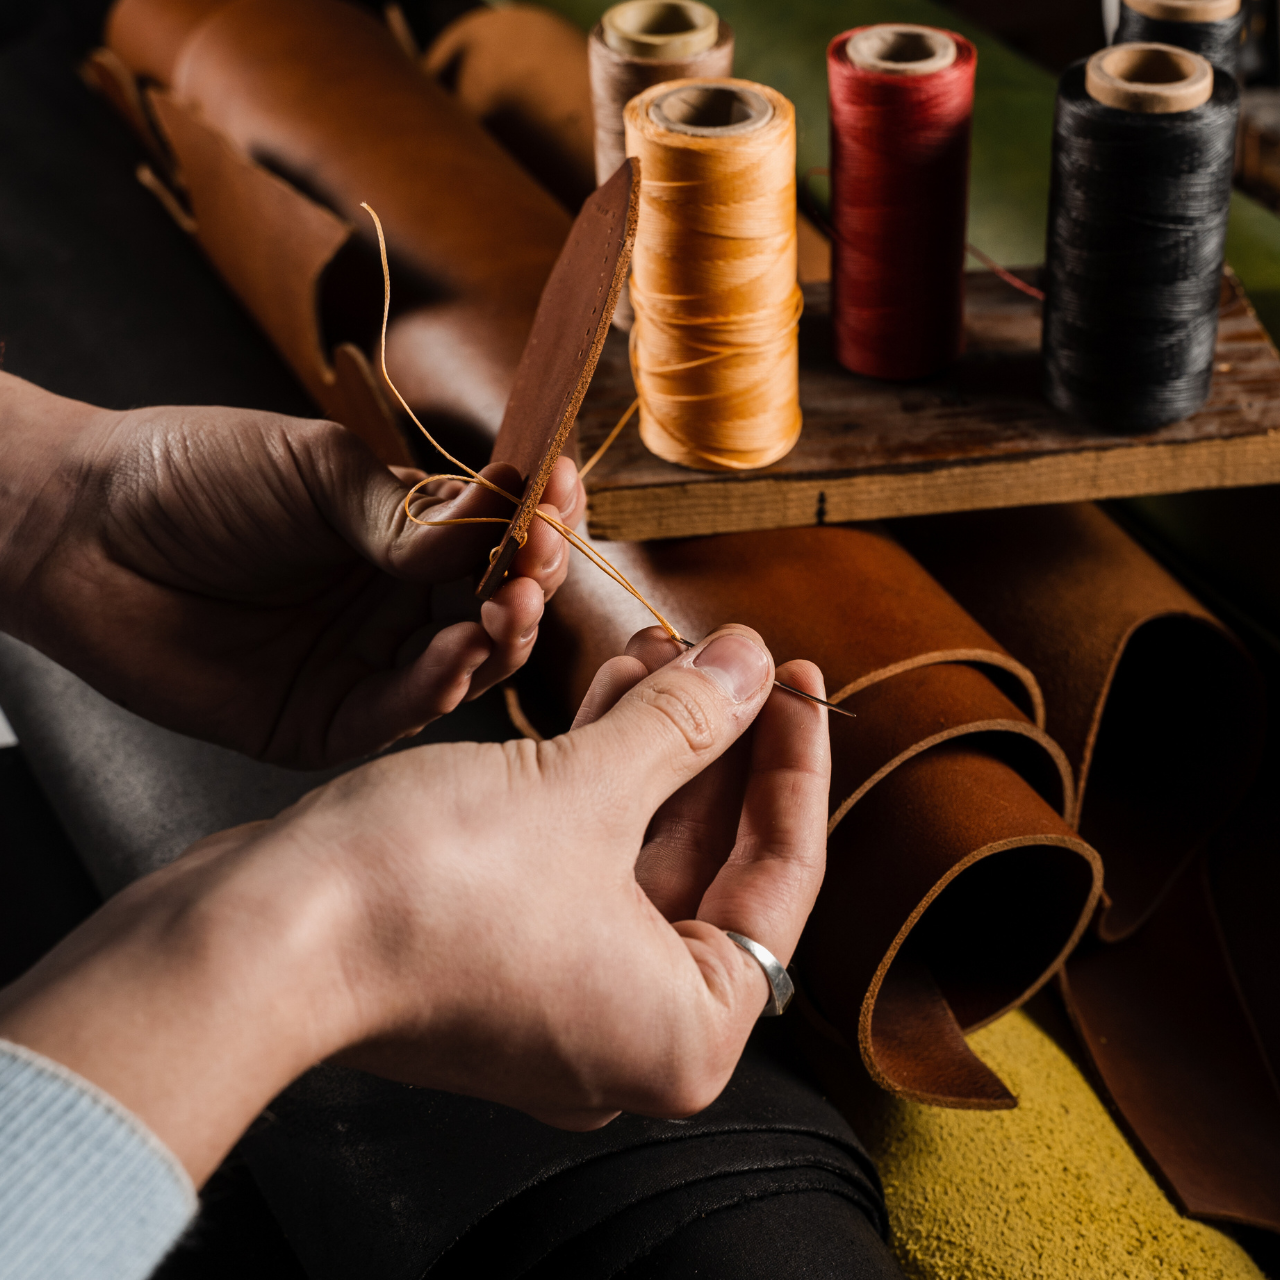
(466, 917)
(252, 579)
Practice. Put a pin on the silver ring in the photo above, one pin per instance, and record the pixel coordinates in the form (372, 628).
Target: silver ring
(781, 988)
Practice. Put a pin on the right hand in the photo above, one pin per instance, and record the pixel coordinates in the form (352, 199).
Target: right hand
(467, 917)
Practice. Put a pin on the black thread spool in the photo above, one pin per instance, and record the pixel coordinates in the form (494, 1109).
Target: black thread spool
(1143, 144)
(1211, 28)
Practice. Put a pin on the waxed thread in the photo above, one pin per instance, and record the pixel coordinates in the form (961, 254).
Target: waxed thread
(715, 347)
(1219, 41)
(823, 223)
(899, 182)
(1137, 230)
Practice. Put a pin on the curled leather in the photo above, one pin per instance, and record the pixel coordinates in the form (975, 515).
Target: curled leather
(521, 71)
(954, 888)
(318, 94)
(1160, 712)
(1156, 704)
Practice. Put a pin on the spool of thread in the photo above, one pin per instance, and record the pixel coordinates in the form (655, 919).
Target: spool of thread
(638, 44)
(714, 347)
(643, 43)
(1211, 28)
(901, 109)
(1143, 146)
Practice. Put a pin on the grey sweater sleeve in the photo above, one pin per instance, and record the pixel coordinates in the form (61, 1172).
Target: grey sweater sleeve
(87, 1192)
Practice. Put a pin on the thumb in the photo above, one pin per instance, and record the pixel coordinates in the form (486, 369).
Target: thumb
(365, 501)
(674, 723)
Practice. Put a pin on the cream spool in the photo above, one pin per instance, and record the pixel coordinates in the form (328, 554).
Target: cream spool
(714, 349)
(1150, 79)
(643, 43)
(638, 44)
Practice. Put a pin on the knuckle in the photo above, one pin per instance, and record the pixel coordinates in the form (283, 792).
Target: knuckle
(679, 705)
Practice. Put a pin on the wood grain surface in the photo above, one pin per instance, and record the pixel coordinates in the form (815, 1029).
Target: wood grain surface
(980, 435)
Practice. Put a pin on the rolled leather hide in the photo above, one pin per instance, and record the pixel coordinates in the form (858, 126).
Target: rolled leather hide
(282, 117)
(1160, 711)
(954, 887)
(520, 70)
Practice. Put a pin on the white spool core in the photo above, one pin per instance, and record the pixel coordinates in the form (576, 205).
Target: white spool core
(1185, 10)
(664, 30)
(711, 110)
(1151, 79)
(901, 49)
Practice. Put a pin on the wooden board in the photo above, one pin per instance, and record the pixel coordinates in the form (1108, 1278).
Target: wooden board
(979, 436)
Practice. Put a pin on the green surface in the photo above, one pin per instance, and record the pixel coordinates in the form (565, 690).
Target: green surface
(784, 45)
(1253, 249)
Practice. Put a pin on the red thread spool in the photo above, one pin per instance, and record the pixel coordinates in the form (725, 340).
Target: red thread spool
(901, 109)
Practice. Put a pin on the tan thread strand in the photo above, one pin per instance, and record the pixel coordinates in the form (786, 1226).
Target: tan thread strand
(609, 439)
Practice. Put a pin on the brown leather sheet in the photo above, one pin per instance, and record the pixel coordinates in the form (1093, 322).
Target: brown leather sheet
(283, 116)
(561, 354)
(521, 71)
(955, 886)
(1160, 713)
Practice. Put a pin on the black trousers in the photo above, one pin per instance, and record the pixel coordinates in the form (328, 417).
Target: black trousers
(104, 299)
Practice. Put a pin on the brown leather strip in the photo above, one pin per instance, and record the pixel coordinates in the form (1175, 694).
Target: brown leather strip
(560, 356)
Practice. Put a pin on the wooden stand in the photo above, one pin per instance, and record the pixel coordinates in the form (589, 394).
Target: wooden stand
(980, 435)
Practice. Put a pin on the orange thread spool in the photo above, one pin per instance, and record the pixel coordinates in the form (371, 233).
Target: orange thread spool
(714, 350)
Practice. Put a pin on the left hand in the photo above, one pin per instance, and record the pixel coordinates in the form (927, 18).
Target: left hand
(252, 579)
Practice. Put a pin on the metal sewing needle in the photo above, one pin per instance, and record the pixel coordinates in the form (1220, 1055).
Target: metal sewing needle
(790, 688)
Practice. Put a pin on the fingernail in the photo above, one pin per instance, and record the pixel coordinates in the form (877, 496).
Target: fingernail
(737, 665)
(552, 562)
(528, 635)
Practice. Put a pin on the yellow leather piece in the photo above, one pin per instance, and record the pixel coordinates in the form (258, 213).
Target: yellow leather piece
(1049, 1189)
